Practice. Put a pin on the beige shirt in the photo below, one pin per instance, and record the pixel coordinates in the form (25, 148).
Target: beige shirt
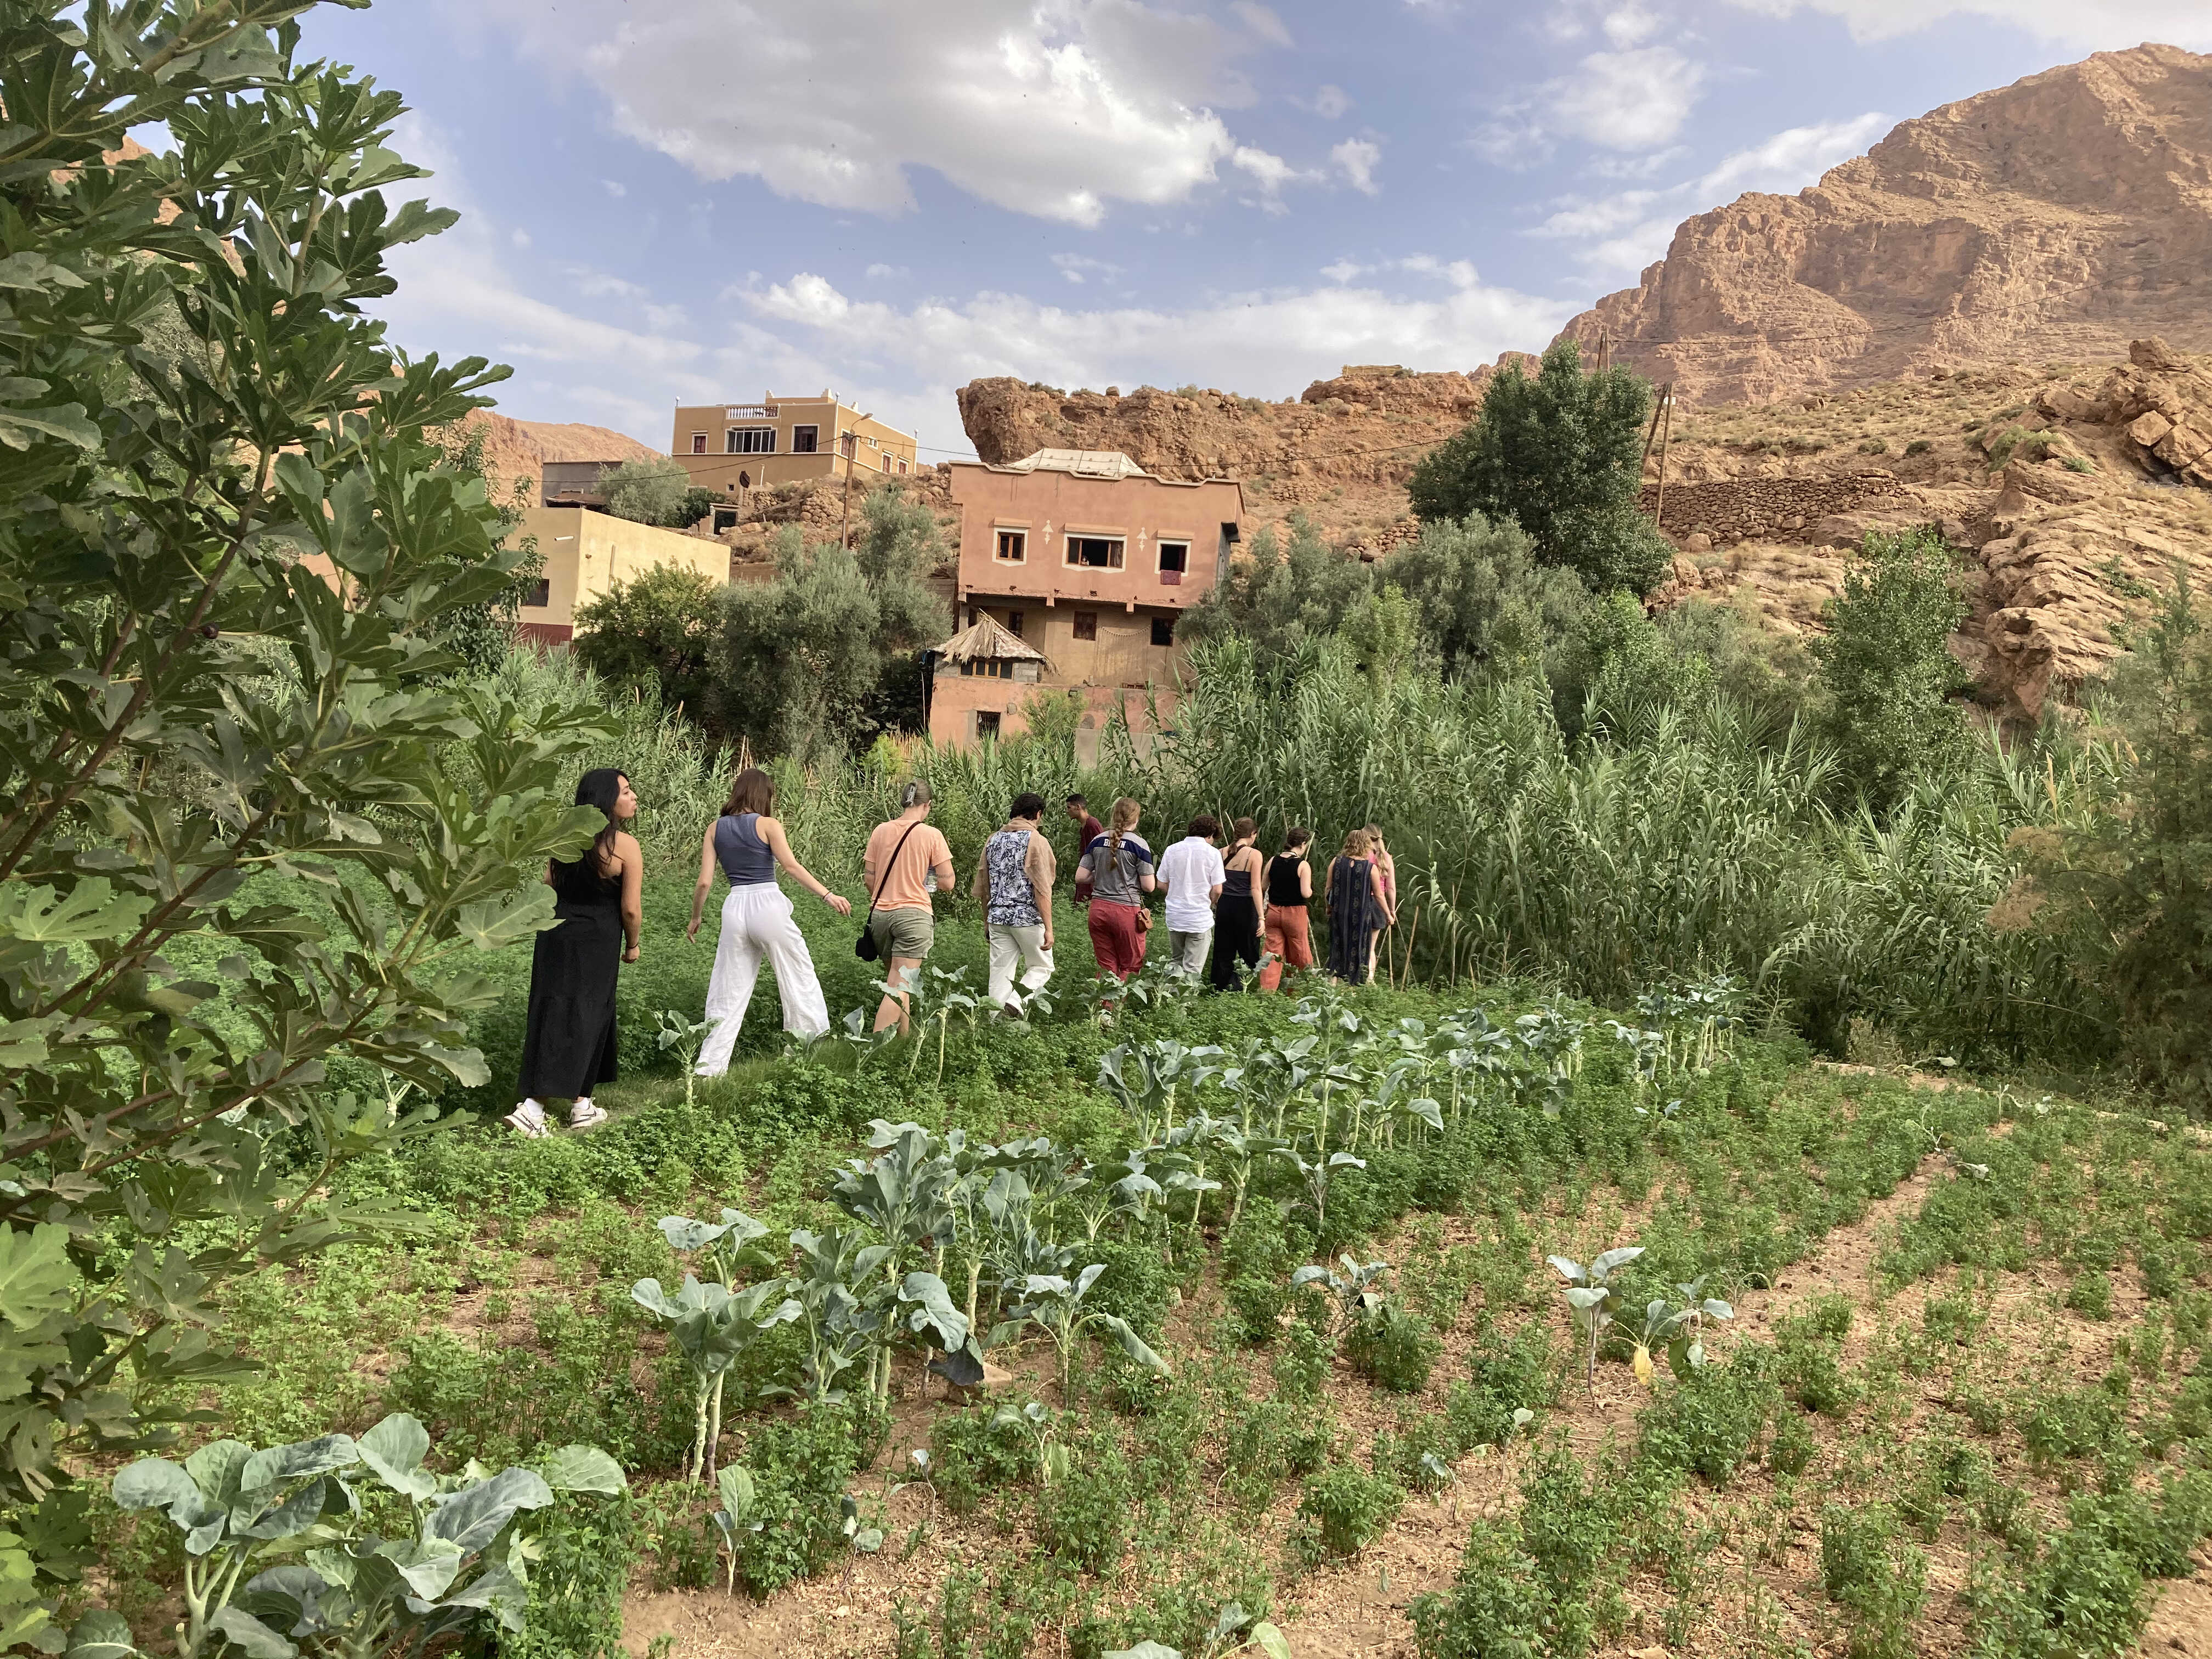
(1038, 864)
(903, 886)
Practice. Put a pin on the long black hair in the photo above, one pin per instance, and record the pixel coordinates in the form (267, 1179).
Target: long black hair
(601, 787)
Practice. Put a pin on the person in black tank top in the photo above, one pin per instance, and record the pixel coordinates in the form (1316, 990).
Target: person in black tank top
(1237, 917)
(569, 1043)
(1287, 923)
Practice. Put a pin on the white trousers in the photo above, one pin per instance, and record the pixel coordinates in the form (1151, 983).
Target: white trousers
(1010, 945)
(757, 923)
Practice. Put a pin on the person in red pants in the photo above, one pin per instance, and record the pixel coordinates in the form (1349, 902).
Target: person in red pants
(1289, 891)
(1114, 875)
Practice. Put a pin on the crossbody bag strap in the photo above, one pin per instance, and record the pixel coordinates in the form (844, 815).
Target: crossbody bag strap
(883, 880)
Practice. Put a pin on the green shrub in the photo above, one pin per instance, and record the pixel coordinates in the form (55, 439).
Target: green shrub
(2079, 1598)
(1877, 1578)
(1809, 1372)
(1520, 1373)
(1393, 1348)
(1138, 1285)
(969, 1460)
(1918, 446)
(1084, 1515)
(2071, 1423)
(1418, 1452)
(799, 1471)
(1498, 1606)
(1709, 1423)
(1303, 1368)
(1873, 446)
(1792, 1449)
(585, 1550)
(1343, 1508)
(2091, 1293)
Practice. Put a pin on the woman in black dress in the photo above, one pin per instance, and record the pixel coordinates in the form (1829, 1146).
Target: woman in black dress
(1357, 911)
(1237, 918)
(569, 1047)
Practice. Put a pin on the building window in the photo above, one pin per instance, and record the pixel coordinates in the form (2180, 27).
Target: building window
(988, 668)
(1163, 630)
(752, 440)
(726, 518)
(1086, 624)
(698, 443)
(1013, 546)
(1174, 558)
(986, 723)
(1094, 552)
(538, 594)
(1014, 623)
(805, 440)
(902, 464)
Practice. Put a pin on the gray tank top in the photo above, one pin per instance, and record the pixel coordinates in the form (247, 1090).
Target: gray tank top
(742, 852)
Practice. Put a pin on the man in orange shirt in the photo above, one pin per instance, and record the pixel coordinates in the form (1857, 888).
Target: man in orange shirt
(902, 856)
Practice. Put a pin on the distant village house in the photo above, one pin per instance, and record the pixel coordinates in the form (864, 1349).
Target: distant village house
(1080, 562)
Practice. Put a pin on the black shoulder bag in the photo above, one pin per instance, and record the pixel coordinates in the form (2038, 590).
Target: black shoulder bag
(865, 946)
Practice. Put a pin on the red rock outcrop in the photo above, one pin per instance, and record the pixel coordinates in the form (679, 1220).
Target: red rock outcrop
(517, 449)
(2056, 218)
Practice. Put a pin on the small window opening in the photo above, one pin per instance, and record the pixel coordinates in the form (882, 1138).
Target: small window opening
(1014, 623)
(1094, 552)
(538, 594)
(1013, 546)
(1163, 630)
(698, 443)
(1086, 624)
(986, 723)
(1175, 556)
(804, 439)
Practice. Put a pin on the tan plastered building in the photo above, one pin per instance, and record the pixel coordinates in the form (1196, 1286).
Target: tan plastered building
(1086, 558)
(735, 448)
(586, 554)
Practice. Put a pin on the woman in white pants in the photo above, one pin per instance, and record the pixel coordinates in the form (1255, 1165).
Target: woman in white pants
(748, 846)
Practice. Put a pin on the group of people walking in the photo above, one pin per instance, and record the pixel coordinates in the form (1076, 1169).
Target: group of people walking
(1250, 913)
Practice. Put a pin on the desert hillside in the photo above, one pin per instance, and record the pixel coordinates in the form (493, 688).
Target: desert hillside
(516, 450)
(2057, 218)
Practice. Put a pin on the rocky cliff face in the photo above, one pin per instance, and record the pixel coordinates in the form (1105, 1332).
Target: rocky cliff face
(517, 449)
(1341, 453)
(2057, 218)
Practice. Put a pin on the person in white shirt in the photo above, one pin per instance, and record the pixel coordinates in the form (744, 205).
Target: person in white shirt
(1192, 874)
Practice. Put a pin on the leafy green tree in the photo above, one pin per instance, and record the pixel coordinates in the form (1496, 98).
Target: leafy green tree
(1483, 604)
(655, 492)
(251, 828)
(2134, 883)
(829, 651)
(482, 634)
(1887, 673)
(1282, 600)
(1561, 456)
(663, 629)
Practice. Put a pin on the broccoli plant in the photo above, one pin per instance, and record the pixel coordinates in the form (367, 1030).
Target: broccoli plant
(1053, 1304)
(678, 1030)
(1357, 1289)
(1593, 1296)
(1316, 1175)
(719, 1247)
(739, 1514)
(711, 1325)
(1233, 1631)
(1039, 1425)
(1679, 1328)
(357, 1594)
(839, 1332)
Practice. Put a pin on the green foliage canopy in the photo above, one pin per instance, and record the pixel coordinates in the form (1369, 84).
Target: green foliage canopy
(655, 492)
(1560, 455)
(208, 751)
(662, 629)
(1283, 599)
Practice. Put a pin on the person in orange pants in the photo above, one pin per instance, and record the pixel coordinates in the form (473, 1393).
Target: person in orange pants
(1290, 889)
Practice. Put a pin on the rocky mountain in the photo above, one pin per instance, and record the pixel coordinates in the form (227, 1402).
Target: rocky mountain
(1341, 452)
(516, 450)
(2056, 218)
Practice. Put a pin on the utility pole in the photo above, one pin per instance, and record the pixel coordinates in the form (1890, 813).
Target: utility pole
(1666, 431)
(848, 445)
(1604, 349)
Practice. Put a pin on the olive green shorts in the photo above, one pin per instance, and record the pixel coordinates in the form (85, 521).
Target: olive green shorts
(903, 932)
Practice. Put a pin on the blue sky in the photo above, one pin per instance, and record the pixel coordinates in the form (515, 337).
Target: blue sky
(688, 204)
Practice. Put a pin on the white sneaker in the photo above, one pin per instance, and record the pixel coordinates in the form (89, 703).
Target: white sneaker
(528, 1121)
(584, 1115)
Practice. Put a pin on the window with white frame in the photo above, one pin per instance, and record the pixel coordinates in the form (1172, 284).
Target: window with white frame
(1013, 547)
(805, 440)
(752, 440)
(1094, 552)
(698, 443)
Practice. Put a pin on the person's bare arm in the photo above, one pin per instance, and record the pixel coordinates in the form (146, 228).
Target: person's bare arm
(705, 882)
(1039, 867)
(633, 893)
(1148, 881)
(1305, 878)
(1381, 895)
(772, 833)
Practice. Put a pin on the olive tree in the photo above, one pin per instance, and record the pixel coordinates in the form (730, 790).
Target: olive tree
(251, 821)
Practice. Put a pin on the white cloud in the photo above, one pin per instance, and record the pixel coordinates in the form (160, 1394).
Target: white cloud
(518, 236)
(1636, 99)
(1055, 108)
(1626, 100)
(879, 272)
(2107, 24)
(1262, 22)
(1344, 271)
(1357, 159)
(614, 187)
(1631, 25)
(1080, 268)
(1269, 342)
(1332, 103)
(1625, 231)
